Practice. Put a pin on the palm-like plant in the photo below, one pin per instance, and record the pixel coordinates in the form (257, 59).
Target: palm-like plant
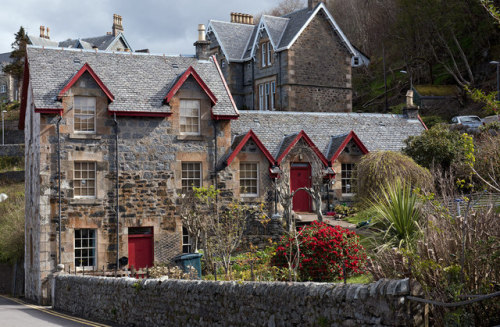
(399, 213)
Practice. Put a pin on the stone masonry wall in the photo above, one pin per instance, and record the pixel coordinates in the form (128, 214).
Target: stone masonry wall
(319, 70)
(12, 150)
(205, 303)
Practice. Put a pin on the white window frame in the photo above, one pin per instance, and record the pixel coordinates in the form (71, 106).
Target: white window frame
(88, 247)
(187, 188)
(84, 179)
(181, 116)
(3, 89)
(261, 96)
(266, 98)
(263, 55)
(273, 94)
(256, 179)
(186, 241)
(75, 114)
(344, 179)
(269, 63)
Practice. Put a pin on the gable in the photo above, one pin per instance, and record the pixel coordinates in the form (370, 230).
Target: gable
(193, 77)
(86, 70)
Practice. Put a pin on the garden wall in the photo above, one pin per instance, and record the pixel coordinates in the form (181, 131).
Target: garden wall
(206, 303)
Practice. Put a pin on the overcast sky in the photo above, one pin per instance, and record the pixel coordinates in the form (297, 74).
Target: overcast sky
(163, 26)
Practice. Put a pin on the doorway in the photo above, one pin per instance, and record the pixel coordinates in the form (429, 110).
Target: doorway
(140, 247)
(300, 176)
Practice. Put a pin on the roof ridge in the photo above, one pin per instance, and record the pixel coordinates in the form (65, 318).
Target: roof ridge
(279, 17)
(222, 21)
(112, 52)
(312, 113)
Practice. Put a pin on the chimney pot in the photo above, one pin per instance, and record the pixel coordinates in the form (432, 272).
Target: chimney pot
(47, 35)
(42, 31)
(201, 32)
(202, 45)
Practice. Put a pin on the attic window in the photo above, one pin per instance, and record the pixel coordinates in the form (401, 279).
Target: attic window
(77, 61)
(355, 61)
(222, 63)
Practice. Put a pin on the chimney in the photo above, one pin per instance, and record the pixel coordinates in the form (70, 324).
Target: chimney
(47, 35)
(311, 4)
(411, 110)
(42, 31)
(241, 18)
(202, 45)
(117, 25)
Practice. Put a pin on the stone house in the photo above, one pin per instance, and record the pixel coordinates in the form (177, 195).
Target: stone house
(111, 41)
(112, 138)
(8, 84)
(301, 61)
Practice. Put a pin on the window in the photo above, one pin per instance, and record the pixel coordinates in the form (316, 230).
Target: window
(190, 117)
(267, 94)
(3, 88)
(84, 179)
(222, 63)
(269, 54)
(186, 241)
(266, 55)
(249, 180)
(84, 114)
(263, 57)
(85, 248)
(348, 181)
(191, 175)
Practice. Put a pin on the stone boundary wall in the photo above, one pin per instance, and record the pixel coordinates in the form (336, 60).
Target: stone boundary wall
(131, 302)
(12, 150)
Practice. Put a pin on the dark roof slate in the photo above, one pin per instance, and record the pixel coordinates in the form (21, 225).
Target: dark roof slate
(233, 37)
(376, 131)
(297, 20)
(275, 26)
(139, 82)
(335, 143)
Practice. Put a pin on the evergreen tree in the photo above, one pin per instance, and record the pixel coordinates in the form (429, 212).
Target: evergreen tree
(16, 68)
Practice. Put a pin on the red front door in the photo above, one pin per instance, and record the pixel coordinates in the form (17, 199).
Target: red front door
(140, 247)
(300, 176)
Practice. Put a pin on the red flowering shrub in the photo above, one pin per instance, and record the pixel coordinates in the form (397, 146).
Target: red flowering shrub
(323, 249)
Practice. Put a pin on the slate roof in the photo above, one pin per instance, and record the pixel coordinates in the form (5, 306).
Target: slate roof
(376, 131)
(335, 143)
(100, 42)
(235, 37)
(5, 58)
(139, 82)
(238, 40)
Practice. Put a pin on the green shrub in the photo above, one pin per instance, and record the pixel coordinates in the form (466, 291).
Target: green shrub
(377, 169)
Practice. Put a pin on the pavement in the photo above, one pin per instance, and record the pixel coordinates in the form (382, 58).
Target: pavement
(16, 313)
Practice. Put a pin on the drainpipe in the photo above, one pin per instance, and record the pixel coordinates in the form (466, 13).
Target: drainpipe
(281, 83)
(59, 182)
(117, 197)
(253, 84)
(215, 155)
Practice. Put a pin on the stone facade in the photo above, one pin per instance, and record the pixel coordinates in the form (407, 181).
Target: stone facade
(205, 303)
(314, 74)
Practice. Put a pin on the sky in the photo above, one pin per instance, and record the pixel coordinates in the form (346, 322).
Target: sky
(163, 26)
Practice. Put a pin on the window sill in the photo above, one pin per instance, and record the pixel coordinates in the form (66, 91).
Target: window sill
(88, 201)
(190, 137)
(84, 137)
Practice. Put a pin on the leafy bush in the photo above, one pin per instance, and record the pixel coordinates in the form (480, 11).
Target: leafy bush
(377, 169)
(436, 146)
(11, 163)
(323, 251)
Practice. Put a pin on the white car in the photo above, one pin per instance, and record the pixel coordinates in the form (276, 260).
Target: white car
(470, 122)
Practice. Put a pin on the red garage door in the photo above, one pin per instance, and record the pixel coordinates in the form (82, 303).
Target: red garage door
(140, 247)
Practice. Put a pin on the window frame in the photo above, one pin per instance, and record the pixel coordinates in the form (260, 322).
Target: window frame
(86, 179)
(181, 116)
(257, 179)
(186, 241)
(75, 114)
(189, 187)
(81, 248)
(273, 95)
(261, 97)
(3, 88)
(351, 179)
(269, 54)
(263, 55)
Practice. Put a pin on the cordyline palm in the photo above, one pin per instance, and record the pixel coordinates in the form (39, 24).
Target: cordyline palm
(398, 208)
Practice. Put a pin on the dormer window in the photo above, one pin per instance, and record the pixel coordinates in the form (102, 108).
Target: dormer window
(84, 114)
(189, 117)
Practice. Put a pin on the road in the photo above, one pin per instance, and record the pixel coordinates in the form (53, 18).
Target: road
(15, 313)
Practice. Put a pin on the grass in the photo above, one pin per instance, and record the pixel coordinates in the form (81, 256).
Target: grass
(11, 164)
(360, 279)
(12, 222)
